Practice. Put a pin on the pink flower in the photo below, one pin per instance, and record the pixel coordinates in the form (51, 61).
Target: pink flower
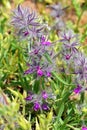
(44, 95)
(78, 89)
(36, 106)
(39, 71)
(46, 43)
(67, 57)
(84, 128)
(48, 74)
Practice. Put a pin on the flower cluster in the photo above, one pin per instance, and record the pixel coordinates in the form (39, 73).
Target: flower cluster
(39, 65)
(40, 56)
(76, 61)
(40, 101)
(70, 43)
(26, 23)
(57, 12)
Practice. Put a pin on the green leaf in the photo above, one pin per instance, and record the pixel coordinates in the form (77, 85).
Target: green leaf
(37, 125)
(36, 85)
(77, 7)
(60, 79)
(61, 109)
(47, 57)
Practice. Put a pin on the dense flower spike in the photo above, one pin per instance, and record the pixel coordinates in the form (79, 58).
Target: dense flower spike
(38, 62)
(70, 40)
(27, 24)
(69, 49)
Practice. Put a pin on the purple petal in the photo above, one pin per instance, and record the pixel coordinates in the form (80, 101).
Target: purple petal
(39, 72)
(48, 74)
(44, 95)
(78, 89)
(46, 43)
(84, 128)
(36, 106)
(45, 106)
(67, 57)
(29, 71)
(29, 98)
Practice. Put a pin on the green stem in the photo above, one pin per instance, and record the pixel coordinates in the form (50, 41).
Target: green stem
(79, 19)
(72, 127)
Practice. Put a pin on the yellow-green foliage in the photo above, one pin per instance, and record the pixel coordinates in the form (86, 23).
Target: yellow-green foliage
(45, 122)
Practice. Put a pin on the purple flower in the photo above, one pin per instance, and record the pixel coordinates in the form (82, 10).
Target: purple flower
(26, 22)
(69, 40)
(48, 74)
(46, 43)
(43, 39)
(26, 33)
(36, 32)
(78, 89)
(45, 106)
(29, 97)
(39, 71)
(44, 95)
(29, 71)
(59, 24)
(20, 17)
(36, 106)
(69, 48)
(67, 57)
(84, 128)
(80, 67)
(67, 35)
(57, 10)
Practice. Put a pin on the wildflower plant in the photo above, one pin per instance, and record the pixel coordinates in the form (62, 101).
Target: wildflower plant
(40, 55)
(41, 62)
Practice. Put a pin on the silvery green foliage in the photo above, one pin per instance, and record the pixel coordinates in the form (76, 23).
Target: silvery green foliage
(26, 22)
